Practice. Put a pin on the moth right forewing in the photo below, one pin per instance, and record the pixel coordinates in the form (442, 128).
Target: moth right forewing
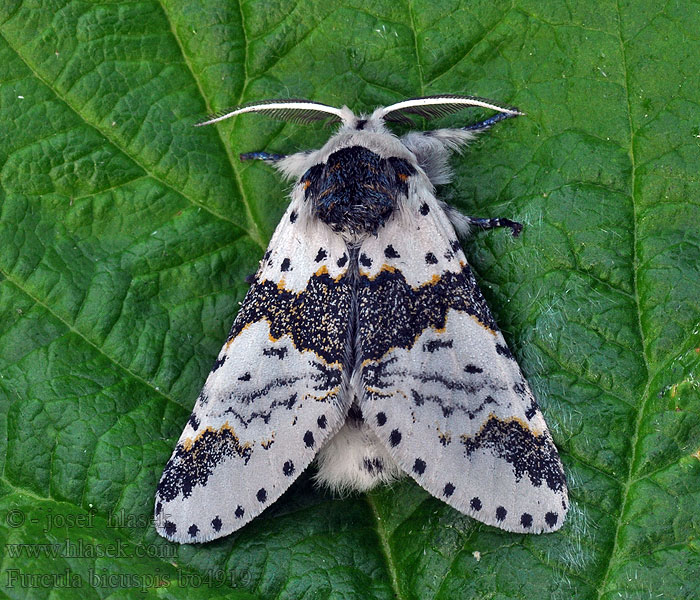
(441, 389)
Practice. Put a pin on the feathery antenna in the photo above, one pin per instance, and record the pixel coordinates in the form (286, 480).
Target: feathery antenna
(432, 107)
(290, 109)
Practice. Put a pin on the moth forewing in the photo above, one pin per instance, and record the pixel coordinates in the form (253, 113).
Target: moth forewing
(275, 393)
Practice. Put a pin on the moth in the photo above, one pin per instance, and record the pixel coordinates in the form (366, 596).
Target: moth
(364, 342)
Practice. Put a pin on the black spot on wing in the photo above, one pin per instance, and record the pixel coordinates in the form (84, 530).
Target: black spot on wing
(288, 468)
(293, 216)
(286, 264)
(170, 528)
(342, 260)
(424, 209)
(365, 260)
(309, 439)
(418, 398)
(448, 490)
(322, 421)
(218, 363)
(381, 419)
(240, 511)
(501, 513)
(244, 377)
(193, 530)
(193, 421)
(419, 466)
(520, 389)
(504, 351)
(551, 519)
(473, 369)
(320, 255)
(389, 252)
(430, 259)
(475, 503)
(216, 523)
(531, 410)
(261, 495)
(526, 520)
(278, 352)
(434, 345)
(395, 438)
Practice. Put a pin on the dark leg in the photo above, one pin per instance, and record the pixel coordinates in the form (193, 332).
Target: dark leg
(483, 125)
(515, 227)
(260, 155)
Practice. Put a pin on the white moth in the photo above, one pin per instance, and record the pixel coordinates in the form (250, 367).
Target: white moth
(364, 342)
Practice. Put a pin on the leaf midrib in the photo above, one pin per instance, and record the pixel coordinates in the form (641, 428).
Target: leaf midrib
(255, 235)
(385, 547)
(630, 480)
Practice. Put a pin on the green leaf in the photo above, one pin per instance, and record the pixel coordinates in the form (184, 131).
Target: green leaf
(126, 235)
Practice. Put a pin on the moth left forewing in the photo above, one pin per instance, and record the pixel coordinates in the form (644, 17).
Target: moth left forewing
(441, 389)
(276, 392)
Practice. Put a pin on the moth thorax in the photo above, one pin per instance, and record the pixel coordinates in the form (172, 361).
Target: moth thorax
(356, 190)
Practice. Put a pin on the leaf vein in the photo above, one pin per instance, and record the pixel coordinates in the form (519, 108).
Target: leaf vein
(107, 136)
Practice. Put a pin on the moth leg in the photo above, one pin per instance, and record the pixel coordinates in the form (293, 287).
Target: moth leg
(515, 227)
(261, 155)
(488, 123)
(464, 224)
